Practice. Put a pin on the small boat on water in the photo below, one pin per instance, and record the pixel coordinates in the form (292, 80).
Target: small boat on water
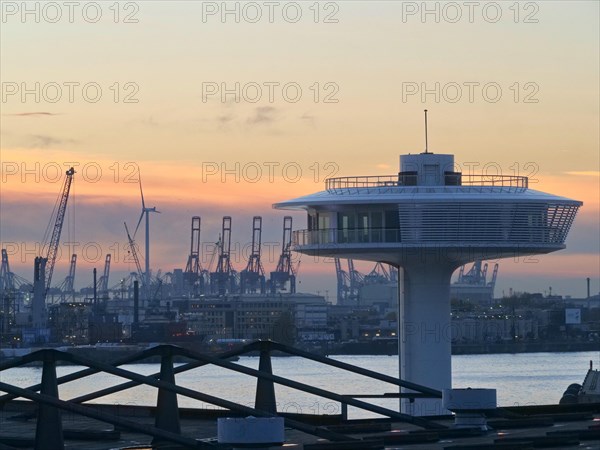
(588, 392)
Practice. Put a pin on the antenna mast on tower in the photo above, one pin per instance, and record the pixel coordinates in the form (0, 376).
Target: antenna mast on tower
(426, 145)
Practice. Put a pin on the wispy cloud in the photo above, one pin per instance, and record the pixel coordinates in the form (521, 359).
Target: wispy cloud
(308, 118)
(45, 141)
(224, 119)
(149, 122)
(585, 173)
(262, 115)
(33, 114)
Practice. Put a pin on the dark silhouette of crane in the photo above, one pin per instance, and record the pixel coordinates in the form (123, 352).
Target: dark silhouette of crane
(284, 276)
(44, 266)
(56, 231)
(343, 283)
(195, 276)
(67, 286)
(7, 282)
(136, 260)
(252, 278)
(223, 280)
(7, 295)
(102, 287)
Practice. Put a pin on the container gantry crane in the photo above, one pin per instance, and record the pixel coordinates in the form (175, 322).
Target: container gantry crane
(252, 278)
(475, 276)
(67, 286)
(285, 271)
(7, 295)
(379, 274)
(492, 282)
(222, 281)
(343, 282)
(102, 286)
(194, 273)
(7, 282)
(356, 282)
(472, 284)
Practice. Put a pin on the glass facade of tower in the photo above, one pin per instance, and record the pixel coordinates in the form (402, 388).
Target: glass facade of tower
(439, 222)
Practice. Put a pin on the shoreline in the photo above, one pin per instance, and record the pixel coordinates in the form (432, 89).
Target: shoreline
(378, 348)
(391, 348)
(528, 347)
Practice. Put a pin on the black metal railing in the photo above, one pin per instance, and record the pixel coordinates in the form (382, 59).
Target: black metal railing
(49, 433)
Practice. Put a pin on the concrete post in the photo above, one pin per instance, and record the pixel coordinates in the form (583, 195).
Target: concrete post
(48, 431)
(265, 390)
(425, 333)
(167, 409)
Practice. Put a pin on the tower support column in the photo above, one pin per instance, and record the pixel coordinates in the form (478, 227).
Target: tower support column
(425, 332)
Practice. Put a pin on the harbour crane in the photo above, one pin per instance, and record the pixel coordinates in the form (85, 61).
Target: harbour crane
(7, 295)
(56, 231)
(381, 274)
(44, 266)
(343, 282)
(67, 286)
(136, 260)
(492, 282)
(285, 271)
(10, 281)
(7, 281)
(252, 278)
(475, 275)
(394, 274)
(102, 286)
(473, 284)
(194, 274)
(222, 281)
(356, 282)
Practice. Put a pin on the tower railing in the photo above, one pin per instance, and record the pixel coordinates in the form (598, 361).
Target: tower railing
(396, 183)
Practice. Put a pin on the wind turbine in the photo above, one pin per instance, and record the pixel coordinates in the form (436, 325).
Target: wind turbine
(147, 255)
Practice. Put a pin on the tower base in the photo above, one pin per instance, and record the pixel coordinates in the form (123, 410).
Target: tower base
(425, 333)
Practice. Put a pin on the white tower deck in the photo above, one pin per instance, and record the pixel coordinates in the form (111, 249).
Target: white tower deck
(429, 220)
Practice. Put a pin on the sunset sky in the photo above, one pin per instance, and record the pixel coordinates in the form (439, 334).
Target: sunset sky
(325, 89)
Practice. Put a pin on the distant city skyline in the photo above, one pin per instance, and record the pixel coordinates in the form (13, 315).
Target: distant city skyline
(226, 116)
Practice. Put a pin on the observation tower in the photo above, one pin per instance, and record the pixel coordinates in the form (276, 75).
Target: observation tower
(428, 220)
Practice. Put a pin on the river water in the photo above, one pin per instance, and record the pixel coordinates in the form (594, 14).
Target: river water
(520, 379)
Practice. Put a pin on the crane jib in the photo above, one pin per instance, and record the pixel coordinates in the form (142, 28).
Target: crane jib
(58, 224)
